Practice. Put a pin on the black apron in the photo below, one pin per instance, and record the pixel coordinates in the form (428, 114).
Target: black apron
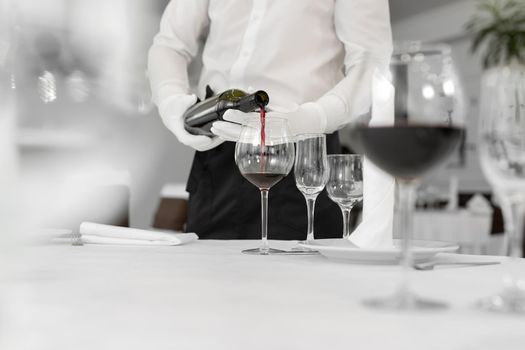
(224, 205)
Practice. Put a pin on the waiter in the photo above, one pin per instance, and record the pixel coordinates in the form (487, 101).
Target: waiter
(315, 58)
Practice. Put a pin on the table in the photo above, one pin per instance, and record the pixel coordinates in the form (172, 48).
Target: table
(207, 295)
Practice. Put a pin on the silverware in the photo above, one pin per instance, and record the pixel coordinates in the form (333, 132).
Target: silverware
(431, 265)
(76, 239)
(297, 252)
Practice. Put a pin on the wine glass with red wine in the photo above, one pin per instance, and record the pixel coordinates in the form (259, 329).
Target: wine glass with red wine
(428, 125)
(265, 155)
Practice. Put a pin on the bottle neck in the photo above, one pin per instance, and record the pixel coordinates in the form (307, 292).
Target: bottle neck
(252, 102)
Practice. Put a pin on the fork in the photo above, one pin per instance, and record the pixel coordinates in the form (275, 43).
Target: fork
(426, 266)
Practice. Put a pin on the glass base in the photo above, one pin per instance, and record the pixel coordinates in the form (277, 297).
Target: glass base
(261, 251)
(303, 250)
(404, 301)
(511, 300)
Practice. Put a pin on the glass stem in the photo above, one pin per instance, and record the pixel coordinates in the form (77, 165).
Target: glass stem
(516, 206)
(515, 241)
(310, 207)
(405, 226)
(264, 222)
(346, 221)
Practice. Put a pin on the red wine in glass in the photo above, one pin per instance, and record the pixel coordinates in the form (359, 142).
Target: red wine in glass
(264, 181)
(406, 152)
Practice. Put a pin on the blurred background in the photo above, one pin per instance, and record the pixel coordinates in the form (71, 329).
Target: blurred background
(78, 131)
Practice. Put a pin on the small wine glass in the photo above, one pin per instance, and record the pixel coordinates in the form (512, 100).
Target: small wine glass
(345, 184)
(427, 125)
(265, 155)
(502, 155)
(311, 175)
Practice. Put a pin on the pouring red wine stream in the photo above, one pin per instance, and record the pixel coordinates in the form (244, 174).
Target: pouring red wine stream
(262, 114)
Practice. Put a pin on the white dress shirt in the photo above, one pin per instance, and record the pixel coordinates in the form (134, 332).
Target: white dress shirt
(323, 51)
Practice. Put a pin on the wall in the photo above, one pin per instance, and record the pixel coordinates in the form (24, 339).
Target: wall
(109, 129)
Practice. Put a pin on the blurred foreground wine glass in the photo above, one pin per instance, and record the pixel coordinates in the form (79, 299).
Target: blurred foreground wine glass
(502, 155)
(428, 126)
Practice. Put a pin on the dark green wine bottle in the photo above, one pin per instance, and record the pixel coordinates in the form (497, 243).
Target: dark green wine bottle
(199, 118)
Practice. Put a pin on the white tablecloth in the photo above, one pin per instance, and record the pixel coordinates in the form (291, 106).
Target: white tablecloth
(207, 295)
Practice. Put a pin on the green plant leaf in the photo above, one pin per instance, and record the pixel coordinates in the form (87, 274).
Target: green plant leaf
(499, 27)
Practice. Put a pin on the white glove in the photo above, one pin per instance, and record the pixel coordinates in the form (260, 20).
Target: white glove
(308, 118)
(171, 112)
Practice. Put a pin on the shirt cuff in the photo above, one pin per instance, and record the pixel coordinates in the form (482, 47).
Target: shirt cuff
(332, 109)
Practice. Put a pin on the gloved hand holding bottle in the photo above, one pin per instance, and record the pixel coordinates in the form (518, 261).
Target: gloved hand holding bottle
(172, 112)
(199, 118)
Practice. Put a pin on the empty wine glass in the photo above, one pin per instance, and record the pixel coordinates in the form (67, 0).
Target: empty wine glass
(311, 175)
(345, 184)
(502, 155)
(429, 120)
(265, 155)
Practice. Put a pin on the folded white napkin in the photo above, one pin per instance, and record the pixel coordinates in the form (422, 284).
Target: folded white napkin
(108, 234)
(375, 230)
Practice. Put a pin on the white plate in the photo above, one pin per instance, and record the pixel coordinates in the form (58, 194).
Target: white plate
(342, 249)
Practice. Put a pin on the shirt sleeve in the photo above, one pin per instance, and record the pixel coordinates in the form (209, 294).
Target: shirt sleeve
(176, 44)
(363, 26)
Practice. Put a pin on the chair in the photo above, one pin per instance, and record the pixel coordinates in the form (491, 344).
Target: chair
(172, 210)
